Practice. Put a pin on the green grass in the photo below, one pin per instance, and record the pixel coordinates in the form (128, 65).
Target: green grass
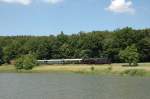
(114, 69)
(7, 68)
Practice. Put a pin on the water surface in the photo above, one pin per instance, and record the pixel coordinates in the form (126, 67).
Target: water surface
(72, 86)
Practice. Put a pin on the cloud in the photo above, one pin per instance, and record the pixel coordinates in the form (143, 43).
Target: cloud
(28, 2)
(23, 2)
(53, 1)
(121, 6)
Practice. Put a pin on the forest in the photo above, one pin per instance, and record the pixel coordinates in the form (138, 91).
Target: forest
(93, 44)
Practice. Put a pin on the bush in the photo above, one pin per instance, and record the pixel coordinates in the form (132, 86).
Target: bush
(109, 68)
(19, 63)
(26, 62)
(134, 72)
(92, 68)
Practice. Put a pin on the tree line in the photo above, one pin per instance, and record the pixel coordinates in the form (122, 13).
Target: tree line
(93, 44)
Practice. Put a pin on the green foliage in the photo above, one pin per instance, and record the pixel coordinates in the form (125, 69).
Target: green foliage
(144, 47)
(19, 63)
(134, 72)
(66, 51)
(110, 68)
(130, 55)
(85, 53)
(26, 62)
(92, 68)
(93, 44)
(11, 51)
(1, 56)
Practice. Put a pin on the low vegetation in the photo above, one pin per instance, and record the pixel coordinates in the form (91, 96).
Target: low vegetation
(134, 72)
(26, 62)
(113, 69)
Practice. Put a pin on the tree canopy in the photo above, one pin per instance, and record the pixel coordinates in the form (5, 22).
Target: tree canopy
(93, 44)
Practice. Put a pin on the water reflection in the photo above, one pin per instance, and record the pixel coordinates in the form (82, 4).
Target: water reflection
(72, 86)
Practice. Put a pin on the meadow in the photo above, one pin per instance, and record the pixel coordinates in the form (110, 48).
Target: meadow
(143, 69)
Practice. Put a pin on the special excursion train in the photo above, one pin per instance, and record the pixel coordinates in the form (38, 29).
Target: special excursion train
(76, 61)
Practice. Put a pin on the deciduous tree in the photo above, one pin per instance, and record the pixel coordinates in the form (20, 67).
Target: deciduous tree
(130, 55)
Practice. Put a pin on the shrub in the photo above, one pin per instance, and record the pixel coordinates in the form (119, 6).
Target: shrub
(19, 63)
(134, 72)
(92, 68)
(26, 62)
(110, 68)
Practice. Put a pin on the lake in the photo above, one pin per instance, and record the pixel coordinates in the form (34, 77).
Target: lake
(72, 86)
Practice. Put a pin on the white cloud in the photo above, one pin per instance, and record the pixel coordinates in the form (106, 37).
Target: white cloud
(53, 1)
(23, 2)
(121, 6)
(28, 2)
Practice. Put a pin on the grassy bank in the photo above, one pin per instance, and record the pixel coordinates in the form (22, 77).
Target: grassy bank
(116, 69)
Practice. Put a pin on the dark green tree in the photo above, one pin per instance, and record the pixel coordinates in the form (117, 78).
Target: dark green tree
(11, 51)
(144, 48)
(66, 51)
(85, 53)
(1, 56)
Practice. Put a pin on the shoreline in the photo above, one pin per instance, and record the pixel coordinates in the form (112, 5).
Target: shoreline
(105, 69)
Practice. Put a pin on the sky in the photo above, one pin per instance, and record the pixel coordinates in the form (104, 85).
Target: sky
(46, 17)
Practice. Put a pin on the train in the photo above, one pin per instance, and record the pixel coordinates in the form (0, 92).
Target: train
(96, 61)
(76, 61)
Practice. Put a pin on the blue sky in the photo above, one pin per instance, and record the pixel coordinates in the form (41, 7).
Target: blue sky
(45, 17)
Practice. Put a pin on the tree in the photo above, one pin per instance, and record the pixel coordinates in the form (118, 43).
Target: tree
(124, 37)
(11, 51)
(92, 42)
(79, 45)
(1, 56)
(9, 54)
(62, 38)
(144, 48)
(26, 62)
(66, 51)
(130, 55)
